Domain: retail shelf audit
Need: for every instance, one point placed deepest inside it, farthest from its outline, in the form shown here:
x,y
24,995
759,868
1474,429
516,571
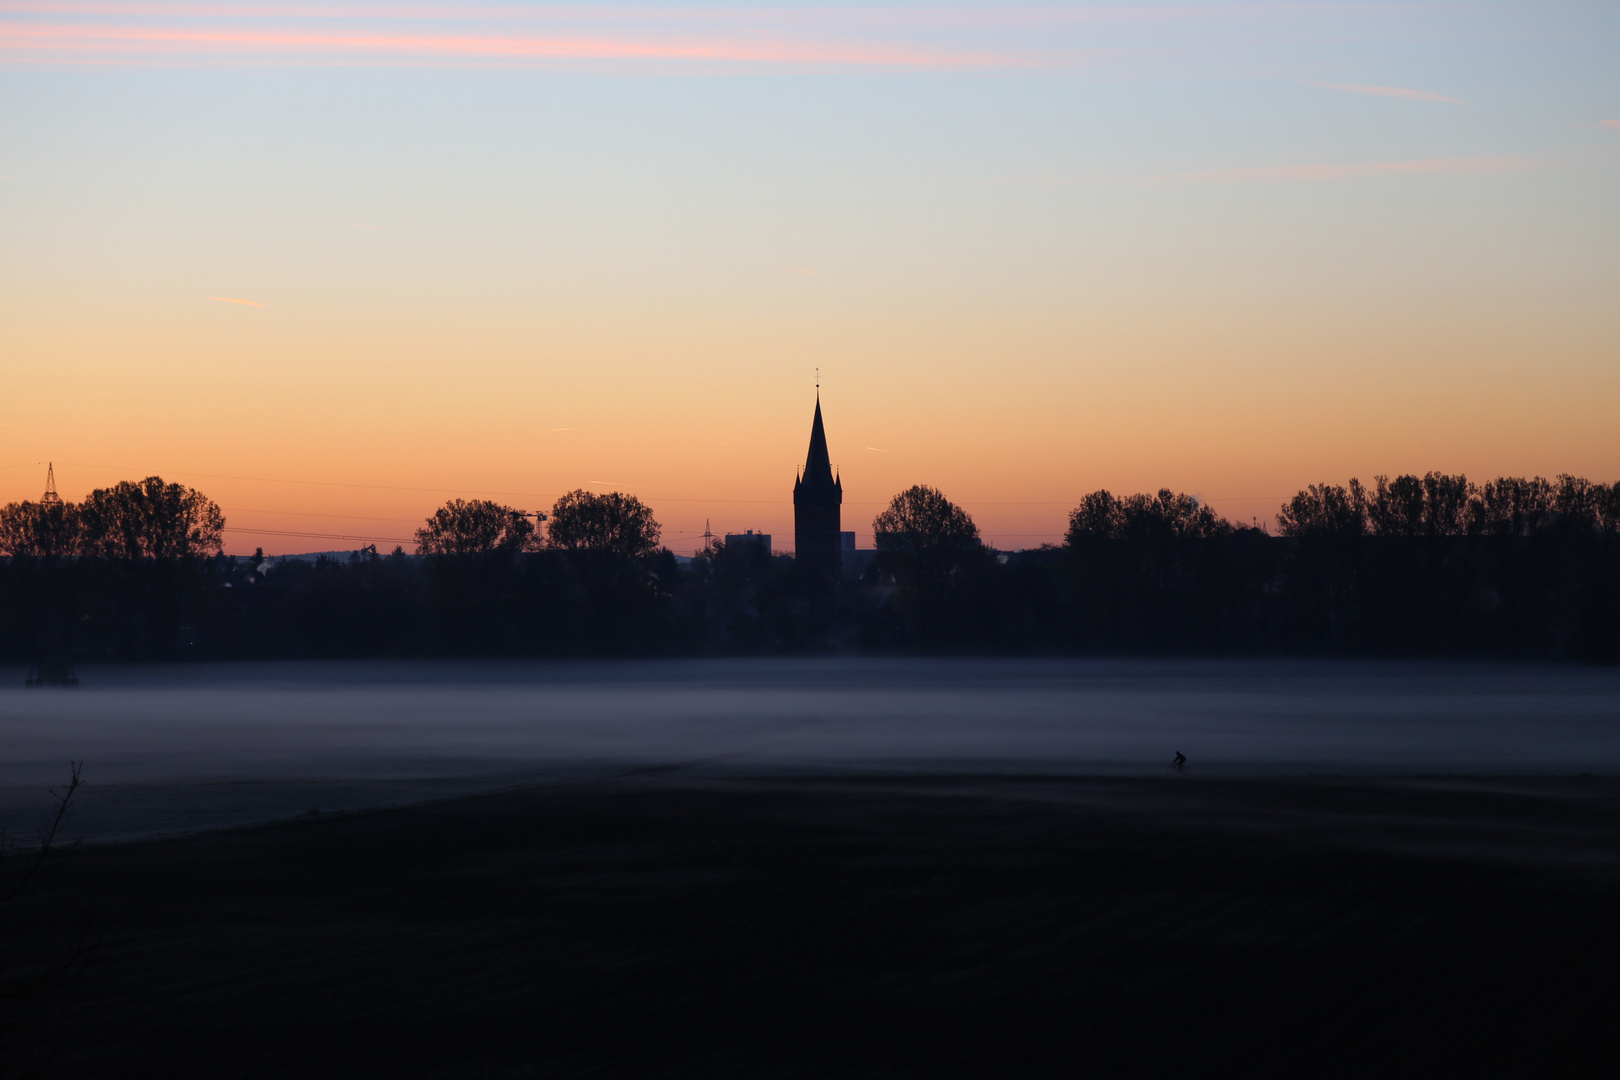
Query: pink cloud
x,y
140,41
1466,165
931,16
1389,91
1611,123
76,40
395,33
437,32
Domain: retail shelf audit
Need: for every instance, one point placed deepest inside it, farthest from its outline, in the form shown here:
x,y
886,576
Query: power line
x,y
538,495
312,483
400,487
320,536
301,513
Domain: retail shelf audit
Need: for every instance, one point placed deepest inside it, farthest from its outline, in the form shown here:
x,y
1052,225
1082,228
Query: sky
x,y
335,263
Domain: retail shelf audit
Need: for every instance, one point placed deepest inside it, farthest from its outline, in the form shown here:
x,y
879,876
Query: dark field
x,y
659,926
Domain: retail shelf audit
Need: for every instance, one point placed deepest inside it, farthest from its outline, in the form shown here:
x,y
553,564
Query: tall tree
x,y
476,599
1325,510
607,543
150,519
931,547
40,537
144,539
1510,506
39,530
1579,503
925,534
1445,503
613,524
1169,515
475,527
1141,563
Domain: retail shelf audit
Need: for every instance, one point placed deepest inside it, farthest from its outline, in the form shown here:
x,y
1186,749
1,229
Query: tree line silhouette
x,y
1430,565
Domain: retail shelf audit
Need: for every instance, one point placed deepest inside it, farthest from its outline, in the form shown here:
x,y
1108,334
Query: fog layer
x,y
169,748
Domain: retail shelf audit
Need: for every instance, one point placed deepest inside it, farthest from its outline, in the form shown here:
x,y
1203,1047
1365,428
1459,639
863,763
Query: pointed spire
x,y
817,465
50,498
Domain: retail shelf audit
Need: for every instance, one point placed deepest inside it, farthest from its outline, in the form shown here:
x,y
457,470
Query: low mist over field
x,y
229,743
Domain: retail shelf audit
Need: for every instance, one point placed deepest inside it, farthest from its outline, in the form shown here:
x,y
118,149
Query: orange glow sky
x,y
333,287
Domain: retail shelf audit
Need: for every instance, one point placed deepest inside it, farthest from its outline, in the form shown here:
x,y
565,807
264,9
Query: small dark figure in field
x,y
1180,763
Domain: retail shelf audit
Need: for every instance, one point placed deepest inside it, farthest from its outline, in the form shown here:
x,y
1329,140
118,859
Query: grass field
x,y
665,926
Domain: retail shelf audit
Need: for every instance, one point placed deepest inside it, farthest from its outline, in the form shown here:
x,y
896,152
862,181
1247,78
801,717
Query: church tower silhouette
x,y
817,496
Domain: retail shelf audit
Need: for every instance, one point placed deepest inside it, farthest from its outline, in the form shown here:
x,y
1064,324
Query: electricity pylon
x,y
50,498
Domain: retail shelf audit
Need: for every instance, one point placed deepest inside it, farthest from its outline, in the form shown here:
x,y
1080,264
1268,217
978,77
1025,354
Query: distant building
x,y
817,496
853,561
751,538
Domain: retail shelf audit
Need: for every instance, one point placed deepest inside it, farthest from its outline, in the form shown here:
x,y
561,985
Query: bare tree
x,y
33,966
47,835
